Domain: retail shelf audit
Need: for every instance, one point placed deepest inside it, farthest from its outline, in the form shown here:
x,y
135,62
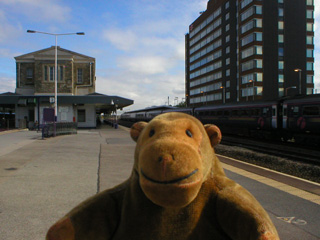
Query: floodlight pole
x,y
55,71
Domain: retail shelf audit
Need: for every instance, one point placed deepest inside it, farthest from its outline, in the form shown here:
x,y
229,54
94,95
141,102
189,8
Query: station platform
x,y
41,180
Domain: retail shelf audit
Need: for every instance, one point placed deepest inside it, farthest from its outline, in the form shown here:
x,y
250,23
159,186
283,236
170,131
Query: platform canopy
x,y
103,103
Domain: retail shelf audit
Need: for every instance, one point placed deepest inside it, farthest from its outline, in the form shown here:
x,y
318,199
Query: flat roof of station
x,y
103,103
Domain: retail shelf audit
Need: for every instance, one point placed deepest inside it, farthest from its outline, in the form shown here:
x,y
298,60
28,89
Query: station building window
x,y
29,73
81,115
80,75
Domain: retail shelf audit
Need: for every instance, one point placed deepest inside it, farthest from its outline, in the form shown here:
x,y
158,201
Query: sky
x,y
139,45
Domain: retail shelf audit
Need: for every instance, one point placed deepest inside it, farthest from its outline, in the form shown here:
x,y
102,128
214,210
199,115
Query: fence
x,y
62,128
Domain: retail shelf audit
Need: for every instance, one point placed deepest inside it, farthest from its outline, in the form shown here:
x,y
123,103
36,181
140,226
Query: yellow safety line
x,y
270,182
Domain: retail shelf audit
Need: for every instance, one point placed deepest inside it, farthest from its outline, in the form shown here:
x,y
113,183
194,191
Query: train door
x,y
274,116
285,116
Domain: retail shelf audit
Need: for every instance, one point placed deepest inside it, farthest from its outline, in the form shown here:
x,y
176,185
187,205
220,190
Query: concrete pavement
x,y
42,180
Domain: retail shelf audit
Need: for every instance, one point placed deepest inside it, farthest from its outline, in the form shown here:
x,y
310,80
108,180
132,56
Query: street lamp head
x,y
297,70
80,33
31,31
250,80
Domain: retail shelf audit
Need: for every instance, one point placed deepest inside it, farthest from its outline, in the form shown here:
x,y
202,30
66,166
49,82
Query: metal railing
x,y
62,128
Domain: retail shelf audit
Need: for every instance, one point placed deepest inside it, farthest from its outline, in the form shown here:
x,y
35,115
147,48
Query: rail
x,y
62,128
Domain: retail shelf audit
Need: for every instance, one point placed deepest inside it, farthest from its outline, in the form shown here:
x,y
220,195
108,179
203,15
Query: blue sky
x,y
138,44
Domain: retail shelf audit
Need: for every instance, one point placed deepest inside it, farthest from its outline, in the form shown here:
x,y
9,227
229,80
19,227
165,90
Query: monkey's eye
x,y
151,133
189,134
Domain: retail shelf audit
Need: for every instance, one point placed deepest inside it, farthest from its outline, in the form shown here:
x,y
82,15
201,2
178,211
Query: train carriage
x,y
301,118
241,119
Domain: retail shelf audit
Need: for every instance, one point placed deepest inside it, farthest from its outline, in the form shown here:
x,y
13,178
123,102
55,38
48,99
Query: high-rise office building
x,y
247,50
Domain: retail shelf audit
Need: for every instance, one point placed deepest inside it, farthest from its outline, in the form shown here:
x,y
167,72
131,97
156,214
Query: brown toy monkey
x,y
177,191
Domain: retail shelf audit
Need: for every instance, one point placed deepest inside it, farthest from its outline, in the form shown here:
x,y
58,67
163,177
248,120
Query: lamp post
x,y
252,89
204,94
300,84
55,71
289,88
223,94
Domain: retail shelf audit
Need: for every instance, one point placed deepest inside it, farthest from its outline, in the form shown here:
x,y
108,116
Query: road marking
x,y
293,220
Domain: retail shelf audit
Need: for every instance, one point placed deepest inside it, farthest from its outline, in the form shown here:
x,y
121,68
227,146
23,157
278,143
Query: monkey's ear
x,y
136,130
214,134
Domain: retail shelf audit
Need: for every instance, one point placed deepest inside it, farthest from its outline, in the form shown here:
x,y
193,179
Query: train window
x,y
295,111
219,113
213,113
256,112
226,113
285,111
310,111
234,112
265,111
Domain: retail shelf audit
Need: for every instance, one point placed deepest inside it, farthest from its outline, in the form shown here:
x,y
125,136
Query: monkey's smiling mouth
x,y
171,181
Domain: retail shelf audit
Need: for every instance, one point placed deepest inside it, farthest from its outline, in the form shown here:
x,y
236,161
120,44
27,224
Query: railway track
x,y
279,149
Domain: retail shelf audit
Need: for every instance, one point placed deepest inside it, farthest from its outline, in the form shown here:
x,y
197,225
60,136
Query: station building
x,y
248,50
77,99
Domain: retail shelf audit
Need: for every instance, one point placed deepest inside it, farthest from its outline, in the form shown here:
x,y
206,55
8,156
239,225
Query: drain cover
x,y
11,169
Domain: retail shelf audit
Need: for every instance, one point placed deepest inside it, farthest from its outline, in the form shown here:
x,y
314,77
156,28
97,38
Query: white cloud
x,y
122,39
40,10
8,31
7,84
148,65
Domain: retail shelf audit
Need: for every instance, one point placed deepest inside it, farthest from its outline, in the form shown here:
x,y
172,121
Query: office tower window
x,y
310,53
309,66
310,27
281,65
310,2
309,40
227,50
280,51
280,38
281,78
281,92
280,12
309,78
310,14
227,27
280,25
244,3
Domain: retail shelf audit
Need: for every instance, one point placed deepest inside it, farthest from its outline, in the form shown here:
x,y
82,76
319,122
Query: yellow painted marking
x,y
270,182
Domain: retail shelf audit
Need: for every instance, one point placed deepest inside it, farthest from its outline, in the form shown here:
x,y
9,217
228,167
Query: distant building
x,y
248,50
35,84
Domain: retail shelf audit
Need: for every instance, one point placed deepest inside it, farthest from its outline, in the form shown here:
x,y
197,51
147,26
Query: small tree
x,y
182,105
